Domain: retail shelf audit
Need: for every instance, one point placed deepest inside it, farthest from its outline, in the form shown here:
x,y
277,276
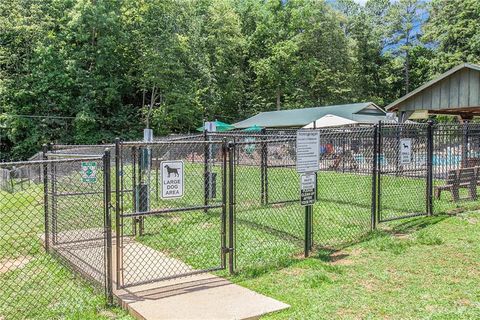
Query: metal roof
x,y
330,120
365,112
446,91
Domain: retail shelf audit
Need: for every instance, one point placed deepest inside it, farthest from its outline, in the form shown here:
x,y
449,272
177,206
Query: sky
x,y
362,2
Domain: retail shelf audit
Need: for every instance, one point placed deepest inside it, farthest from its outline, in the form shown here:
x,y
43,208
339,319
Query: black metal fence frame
x,y
55,180
435,140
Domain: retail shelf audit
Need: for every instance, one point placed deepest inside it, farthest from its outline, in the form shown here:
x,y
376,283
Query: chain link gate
x,y
54,219
163,234
404,171
78,202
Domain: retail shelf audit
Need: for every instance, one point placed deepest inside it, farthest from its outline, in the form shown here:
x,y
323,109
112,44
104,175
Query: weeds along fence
x,y
226,202
53,238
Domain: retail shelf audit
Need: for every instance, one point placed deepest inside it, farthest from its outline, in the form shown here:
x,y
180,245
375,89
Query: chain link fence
x,y
207,202
402,185
266,233
455,167
343,211
53,243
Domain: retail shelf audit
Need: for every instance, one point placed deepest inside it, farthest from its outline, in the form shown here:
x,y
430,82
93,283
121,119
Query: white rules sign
x,y
172,179
308,147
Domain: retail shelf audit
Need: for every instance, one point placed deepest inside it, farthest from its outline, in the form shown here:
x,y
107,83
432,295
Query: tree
x,y
404,21
273,51
222,45
453,29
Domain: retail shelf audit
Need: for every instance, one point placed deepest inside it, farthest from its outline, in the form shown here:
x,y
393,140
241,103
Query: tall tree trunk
x,y
279,94
152,103
94,36
407,73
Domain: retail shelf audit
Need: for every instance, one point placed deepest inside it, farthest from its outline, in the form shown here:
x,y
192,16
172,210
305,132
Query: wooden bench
x,y
466,178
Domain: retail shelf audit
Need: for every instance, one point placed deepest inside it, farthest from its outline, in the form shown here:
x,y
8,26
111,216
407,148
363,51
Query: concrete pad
x,y
142,263
202,296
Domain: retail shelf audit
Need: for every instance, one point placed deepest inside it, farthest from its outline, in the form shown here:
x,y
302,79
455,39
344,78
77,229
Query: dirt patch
x,y
299,256
369,285
401,235
464,302
344,258
13,264
347,313
341,259
431,308
294,271
174,219
107,314
208,225
472,220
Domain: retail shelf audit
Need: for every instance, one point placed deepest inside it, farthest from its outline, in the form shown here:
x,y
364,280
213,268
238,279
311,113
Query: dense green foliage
x,y
90,70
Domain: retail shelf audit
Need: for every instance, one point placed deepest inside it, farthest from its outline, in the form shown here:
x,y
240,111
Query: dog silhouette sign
x,y
172,179
405,151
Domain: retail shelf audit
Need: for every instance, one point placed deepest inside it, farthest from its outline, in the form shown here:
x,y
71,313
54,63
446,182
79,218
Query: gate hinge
x,y
227,250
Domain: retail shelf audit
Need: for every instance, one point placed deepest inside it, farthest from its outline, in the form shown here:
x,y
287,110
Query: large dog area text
x,y
172,179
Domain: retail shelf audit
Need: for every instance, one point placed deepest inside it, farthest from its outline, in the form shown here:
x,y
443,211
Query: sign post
x,y
308,162
308,186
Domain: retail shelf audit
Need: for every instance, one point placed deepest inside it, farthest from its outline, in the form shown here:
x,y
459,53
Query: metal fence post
x,y
374,177
311,223
224,203
118,222
53,185
231,207
45,196
430,168
263,169
464,143
134,189
107,192
308,230
343,150
265,173
206,172
379,172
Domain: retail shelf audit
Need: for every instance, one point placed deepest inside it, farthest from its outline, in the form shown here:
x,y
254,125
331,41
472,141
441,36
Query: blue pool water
x,y
446,160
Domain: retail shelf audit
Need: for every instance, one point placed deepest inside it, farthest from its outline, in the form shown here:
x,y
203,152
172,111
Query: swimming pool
x,y
444,160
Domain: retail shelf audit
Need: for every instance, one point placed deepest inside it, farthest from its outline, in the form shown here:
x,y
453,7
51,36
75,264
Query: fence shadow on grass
x,y
255,271
415,224
271,230
331,255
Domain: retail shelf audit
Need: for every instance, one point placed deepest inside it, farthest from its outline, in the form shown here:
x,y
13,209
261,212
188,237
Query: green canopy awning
x,y
221,126
253,128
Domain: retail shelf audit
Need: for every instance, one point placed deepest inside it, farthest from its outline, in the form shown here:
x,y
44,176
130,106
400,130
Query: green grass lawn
x,y
269,241
34,284
423,268
269,235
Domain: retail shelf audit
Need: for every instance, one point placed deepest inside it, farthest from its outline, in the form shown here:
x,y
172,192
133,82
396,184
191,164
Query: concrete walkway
x,y
203,296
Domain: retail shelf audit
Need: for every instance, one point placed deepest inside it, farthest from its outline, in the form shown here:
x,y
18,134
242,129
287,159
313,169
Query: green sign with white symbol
x,y
89,172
